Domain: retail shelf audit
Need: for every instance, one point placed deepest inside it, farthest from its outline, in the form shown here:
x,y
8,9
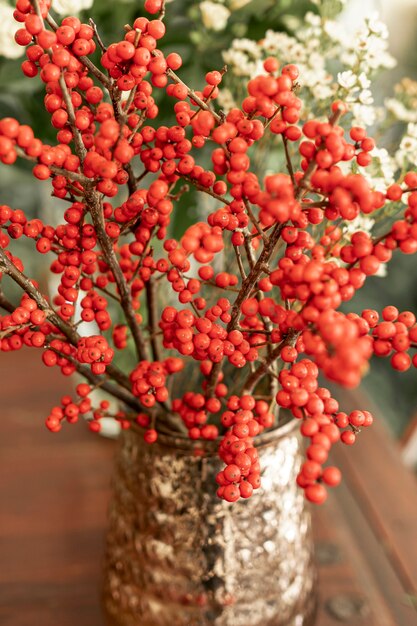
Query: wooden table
x,y
54,491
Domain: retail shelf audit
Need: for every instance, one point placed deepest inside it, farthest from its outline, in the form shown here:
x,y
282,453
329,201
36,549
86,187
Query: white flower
x,y
365,96
408,144
412,130
361,222
71,7
347,79
363,115
312,18
387,169
376,26
247,45
407,151
321,92
8,26
214,15
364,81
225,100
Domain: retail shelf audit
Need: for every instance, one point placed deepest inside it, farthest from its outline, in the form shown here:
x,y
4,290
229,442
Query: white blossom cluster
x,y
317,46
407,151
215,15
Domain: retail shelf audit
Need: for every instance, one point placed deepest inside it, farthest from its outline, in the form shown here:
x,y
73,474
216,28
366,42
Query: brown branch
x,y
78,141
68,331
204,189
152,302
260,372
94,203
120,117
247,285
288,159
50,20
271,119
95,71
75,176
303,184
80,147
117,392
5,303
161,13
239,262
97,35
192,94
253,219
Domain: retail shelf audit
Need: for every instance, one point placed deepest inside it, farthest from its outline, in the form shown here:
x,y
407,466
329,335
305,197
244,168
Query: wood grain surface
x,y
54,491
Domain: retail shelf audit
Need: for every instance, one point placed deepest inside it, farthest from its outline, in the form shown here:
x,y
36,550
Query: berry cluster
x,y
394,336
149,380
244,419
260,278
321,423
95,351
71,409
195,410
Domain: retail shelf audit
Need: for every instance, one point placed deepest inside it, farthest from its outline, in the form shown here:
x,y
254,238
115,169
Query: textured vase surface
x,y
176,555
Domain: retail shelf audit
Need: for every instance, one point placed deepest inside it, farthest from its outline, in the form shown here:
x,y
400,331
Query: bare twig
x,y
5,303
94,203
260,372
288,159
239,262
68,331
97,35
151,299
253,219
115,390
193,96
247,286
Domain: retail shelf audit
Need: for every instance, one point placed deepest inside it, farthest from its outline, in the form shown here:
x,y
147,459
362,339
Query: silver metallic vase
x,y
178,556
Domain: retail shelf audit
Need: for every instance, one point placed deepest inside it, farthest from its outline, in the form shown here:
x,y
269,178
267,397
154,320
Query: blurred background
x,y
328,39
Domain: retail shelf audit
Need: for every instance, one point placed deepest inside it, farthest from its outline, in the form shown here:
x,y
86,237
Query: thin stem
x,y
114,390
104,80
204,189
94,202
152,302
161,13
5,303
68,331
80,147
239,262
288,159
97,35
254,220
75,176
120,117
192,94
260,372
246,288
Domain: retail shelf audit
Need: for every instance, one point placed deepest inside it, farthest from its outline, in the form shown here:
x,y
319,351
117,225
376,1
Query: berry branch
x,y
96,211
271,310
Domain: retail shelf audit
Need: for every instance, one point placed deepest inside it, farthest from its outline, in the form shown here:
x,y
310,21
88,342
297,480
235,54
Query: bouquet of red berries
x,y
251,292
